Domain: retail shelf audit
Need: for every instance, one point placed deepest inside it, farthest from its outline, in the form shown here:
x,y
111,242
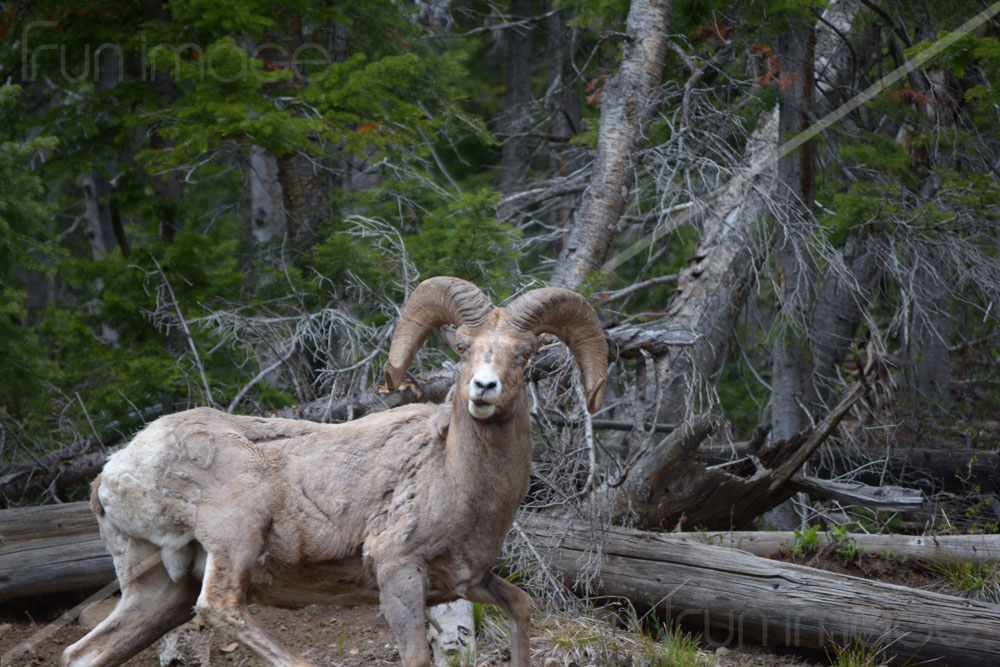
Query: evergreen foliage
x,y
379,117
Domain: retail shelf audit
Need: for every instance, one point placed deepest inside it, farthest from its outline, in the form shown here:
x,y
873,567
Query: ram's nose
x,y
485,385
484,393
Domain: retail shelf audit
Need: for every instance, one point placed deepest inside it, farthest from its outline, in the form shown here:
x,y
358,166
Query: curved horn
x,y
568,315
435,302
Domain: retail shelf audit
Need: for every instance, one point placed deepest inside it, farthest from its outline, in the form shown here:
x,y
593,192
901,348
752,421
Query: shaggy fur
x,y
402,508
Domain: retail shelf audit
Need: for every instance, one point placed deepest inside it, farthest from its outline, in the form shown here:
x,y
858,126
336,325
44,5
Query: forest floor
x,y
359,636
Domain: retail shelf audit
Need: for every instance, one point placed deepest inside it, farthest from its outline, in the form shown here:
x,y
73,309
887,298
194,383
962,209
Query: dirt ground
x,y
359,636
322,635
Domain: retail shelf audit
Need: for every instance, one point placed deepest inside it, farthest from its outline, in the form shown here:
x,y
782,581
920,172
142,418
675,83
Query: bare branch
x,y
187,332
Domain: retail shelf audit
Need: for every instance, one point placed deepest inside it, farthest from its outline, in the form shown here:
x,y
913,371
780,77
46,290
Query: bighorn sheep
x,y
404,507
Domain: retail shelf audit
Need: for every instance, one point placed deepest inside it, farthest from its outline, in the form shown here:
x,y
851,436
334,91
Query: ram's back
x,y
313,492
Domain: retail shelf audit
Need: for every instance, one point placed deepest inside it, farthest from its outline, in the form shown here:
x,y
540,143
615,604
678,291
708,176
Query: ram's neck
x,y
491,456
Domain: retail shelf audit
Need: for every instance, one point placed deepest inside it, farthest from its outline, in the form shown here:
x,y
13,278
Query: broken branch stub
x,y
668,484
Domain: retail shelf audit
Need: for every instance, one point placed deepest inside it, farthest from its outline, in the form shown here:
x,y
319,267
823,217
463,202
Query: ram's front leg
x,y
403,599
516,604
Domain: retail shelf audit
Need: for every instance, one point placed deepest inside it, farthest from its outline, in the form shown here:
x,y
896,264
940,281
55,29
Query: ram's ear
x,y
450,334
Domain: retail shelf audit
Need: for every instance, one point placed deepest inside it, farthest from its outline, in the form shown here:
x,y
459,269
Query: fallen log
x,y
949,467
54,564
22,524
731,596
51,549
888,498
928,548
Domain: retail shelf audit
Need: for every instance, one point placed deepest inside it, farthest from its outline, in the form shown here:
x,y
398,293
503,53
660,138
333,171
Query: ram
x,y
206,511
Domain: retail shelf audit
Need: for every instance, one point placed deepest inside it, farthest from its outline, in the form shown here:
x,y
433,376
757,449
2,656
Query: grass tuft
x,y
970,579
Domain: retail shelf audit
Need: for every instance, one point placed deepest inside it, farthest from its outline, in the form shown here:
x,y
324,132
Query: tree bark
x,y
928,548
730,596
97,210
928,359
55,564
887,498
304,186
167,187
627,106
104,228
267,210
24,524
713,287
790,382
515,152
564,110
837,312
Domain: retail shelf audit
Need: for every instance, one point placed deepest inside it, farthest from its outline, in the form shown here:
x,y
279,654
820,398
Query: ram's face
x,y
493,360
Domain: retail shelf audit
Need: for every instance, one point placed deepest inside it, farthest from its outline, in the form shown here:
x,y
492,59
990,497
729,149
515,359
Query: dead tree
x,y
627,105
730,596
668,485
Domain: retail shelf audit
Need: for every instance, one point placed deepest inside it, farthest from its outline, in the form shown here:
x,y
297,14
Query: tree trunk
x,y
837,314
627,106
303,185
713,287
99,210
168,187
928,359
790,388
267,210
24,524
730,596
515,121
563,108
928,548
55,564
169,190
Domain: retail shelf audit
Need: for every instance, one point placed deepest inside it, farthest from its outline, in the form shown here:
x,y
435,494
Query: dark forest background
x,y
225,203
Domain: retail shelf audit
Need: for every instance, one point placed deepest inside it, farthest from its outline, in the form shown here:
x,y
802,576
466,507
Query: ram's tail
x,y
95,502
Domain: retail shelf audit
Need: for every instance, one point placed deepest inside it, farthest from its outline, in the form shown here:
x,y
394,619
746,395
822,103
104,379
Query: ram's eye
x,y
461,347
527,355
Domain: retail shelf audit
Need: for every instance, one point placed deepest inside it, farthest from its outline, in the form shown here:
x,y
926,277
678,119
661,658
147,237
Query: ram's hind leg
x,y
222,603
151,605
